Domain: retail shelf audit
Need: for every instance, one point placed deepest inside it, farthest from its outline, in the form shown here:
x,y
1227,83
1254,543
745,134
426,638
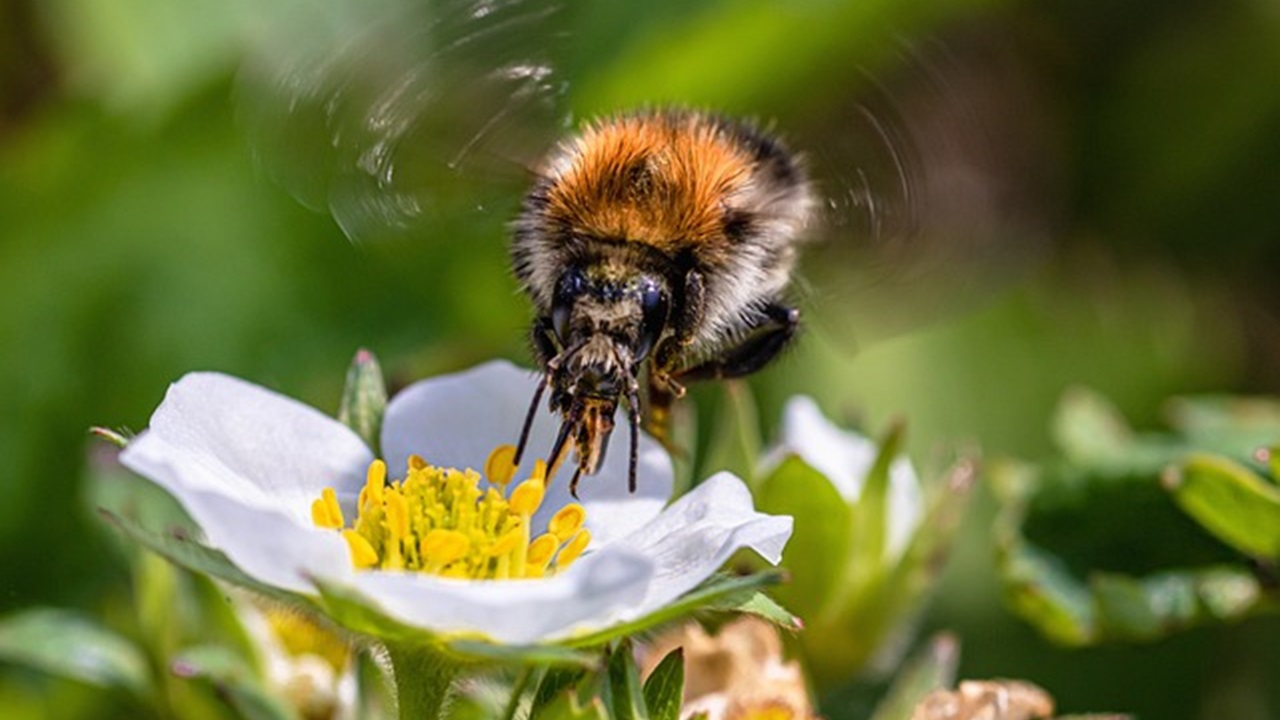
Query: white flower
x,y
845,458
306,665
247,463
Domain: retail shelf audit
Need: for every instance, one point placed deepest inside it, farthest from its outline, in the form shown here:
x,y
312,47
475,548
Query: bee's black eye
x,y
568,288
655,306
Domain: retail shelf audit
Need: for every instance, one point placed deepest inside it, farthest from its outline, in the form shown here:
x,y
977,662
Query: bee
x,y
659,240
657,246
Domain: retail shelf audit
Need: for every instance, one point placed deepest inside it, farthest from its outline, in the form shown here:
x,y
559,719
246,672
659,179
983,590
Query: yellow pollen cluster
x,y
439,521
299,635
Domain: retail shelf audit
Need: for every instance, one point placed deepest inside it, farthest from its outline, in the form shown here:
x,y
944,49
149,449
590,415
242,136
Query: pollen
x,y
446,522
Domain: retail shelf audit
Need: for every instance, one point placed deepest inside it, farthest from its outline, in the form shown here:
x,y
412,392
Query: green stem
x,y
522,682
424,677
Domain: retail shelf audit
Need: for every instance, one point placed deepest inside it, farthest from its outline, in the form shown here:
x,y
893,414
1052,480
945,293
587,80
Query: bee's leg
x,y
775,329
667,356
545,343
669,353
545,348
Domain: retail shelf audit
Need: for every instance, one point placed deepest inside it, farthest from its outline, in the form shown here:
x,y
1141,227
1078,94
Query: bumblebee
x,y
656,244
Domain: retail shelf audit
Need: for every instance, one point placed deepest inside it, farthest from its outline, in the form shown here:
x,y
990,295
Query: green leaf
x,y
568,707
121,493
233,680
1152,606
762,606
626,697
1097,605
735,443
664,690
1124,610
555,683
1230,501
1041,590
932,668
818,552
159,599
535,655
1234,426
871,511
63,643
364,399
1088,428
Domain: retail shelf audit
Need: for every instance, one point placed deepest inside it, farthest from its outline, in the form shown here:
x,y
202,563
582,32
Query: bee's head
x,y
586,385
615,300
606,319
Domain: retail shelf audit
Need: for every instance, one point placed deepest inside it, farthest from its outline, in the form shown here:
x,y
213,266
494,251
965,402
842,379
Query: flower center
x,y
299,636
439,521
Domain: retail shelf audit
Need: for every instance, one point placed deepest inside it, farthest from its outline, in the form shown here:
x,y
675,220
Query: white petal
x,y
217,433
266,543
846,458
693,537
457,420
246,463
584,597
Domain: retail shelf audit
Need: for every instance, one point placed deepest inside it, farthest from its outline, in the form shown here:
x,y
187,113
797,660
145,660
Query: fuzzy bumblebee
x,y
658,240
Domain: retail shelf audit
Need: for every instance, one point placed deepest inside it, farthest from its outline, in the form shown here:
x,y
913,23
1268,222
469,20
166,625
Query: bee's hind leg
x,y
763,341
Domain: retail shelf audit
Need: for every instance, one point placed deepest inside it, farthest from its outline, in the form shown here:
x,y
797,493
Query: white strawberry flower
x,y
274,485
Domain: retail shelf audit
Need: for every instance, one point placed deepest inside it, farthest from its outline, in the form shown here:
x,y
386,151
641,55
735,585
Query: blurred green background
x,y
139,241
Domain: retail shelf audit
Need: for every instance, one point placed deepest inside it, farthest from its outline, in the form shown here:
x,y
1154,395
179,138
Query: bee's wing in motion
x,y
389,113
936,190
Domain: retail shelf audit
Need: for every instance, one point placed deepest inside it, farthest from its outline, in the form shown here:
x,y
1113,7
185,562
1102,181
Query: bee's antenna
x,y
633,401
528,418
573,484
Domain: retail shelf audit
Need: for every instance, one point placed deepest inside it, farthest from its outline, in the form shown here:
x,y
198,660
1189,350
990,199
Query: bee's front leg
x,y
543,338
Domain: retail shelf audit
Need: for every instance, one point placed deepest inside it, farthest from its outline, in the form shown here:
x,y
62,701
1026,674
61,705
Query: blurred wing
x,y
934,196
384,113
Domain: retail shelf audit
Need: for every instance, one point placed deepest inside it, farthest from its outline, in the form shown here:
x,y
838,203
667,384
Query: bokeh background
x,y
139,240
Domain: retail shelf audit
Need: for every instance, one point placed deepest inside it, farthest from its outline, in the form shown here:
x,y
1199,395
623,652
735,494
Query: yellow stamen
x,y
397,509
446,522
506,543
527,497
362,553
325,512
445,546
299,635
541,549
500,468
567,521
374,481
573,549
